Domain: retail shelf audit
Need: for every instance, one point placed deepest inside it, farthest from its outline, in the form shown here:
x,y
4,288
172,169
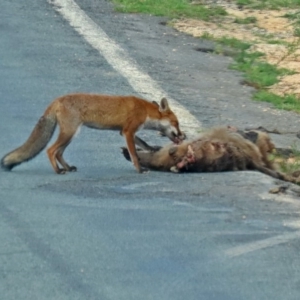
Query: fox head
x,y
169,125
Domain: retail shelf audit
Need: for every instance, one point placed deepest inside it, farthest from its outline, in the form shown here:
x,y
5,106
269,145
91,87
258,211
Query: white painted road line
x,y
121,61
270,242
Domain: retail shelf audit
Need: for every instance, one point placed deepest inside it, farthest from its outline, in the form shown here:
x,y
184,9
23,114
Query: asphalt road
x,y
107,232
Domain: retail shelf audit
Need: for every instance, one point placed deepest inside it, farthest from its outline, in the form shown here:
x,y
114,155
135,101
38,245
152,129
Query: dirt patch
x,y
270,33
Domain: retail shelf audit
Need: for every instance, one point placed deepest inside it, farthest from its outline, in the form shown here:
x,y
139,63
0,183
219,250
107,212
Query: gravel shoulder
x,y
271,33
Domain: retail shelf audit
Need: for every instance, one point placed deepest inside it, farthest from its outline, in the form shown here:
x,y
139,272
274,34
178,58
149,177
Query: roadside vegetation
x,y
169,8
269,4
287,160
257,71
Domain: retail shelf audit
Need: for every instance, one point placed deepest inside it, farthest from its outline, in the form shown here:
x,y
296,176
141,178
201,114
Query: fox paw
x,y
61,171
72,169
144,170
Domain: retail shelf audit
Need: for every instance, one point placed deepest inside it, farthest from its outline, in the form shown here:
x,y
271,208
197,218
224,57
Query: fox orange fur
x,y
124,113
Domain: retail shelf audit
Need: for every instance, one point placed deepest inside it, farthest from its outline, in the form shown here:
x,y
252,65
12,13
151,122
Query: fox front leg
x,y
130,140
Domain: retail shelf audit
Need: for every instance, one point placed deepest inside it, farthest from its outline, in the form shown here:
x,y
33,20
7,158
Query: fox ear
x,y
154,102
164,105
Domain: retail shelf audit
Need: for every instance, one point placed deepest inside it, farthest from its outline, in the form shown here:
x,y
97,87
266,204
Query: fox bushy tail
x,y
36,142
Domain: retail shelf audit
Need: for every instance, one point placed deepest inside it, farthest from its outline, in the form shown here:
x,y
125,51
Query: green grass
x,y
288,102
287,163
269,4
297,32
243,2
261,75
257,73
293,16
233,43
245,21
168,8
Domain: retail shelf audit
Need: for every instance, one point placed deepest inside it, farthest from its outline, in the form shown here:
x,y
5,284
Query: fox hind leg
x,y
60,159
55,153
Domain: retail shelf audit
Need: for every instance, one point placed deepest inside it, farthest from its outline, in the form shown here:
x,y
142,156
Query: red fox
x,y
125,113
